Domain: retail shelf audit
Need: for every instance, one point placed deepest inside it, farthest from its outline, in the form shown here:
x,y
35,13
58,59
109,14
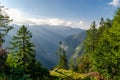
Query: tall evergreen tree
x,y
85,61
4,25
103,26
101,21
3,56
63,63
107,55
21,59
22,45
91,39
4,29
22,54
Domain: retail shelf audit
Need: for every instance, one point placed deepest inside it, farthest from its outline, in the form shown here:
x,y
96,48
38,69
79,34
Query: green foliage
x,y
4,25
3,55
62,74
73,65
21,60
91,39
63,63
4,77
104,26
107,54
101,49
4,29
101,54
21,44
85,63
67,74
22,52
74,59
38,72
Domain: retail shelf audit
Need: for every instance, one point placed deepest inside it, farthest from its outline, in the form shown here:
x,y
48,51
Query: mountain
x,y
73,41
46,38
78,50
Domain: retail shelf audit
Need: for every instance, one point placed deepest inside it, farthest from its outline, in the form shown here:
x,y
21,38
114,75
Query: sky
x,y
73,13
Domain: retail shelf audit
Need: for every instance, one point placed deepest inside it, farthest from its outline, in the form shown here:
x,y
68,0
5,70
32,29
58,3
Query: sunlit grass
x,y
67,74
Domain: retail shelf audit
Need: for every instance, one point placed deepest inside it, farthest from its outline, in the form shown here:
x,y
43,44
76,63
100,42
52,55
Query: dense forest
x,y
100,59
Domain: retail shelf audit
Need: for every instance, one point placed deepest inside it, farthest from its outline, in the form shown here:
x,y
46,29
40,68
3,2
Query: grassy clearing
x,y
67,74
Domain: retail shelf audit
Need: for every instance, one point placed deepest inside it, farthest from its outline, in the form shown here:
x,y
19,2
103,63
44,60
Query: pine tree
x,y
103,26
22,45
101,21
3,56
4,29
107,55
22,54
91,39
4,25
63,63
21,60
85,61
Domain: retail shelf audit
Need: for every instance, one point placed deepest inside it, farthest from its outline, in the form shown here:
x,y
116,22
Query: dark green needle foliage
x,y
4,24
108,52
4,29
91,39
21,59
63,63
22,45
85,61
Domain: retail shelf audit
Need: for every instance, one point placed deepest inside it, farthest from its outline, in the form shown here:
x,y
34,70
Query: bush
x,y
85,63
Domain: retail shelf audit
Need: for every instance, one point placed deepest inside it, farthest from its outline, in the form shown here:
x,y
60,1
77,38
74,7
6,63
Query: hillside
x,y
71,75
60,40
73,42
46,39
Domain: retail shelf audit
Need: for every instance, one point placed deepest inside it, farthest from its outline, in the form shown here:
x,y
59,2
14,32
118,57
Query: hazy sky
x,y
74,13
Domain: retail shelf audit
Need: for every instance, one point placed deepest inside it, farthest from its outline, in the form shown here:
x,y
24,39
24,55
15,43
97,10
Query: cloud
x,y
19,18
115,3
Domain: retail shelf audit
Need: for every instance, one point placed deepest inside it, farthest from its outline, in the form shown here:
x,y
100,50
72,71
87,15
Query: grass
x,y
67,74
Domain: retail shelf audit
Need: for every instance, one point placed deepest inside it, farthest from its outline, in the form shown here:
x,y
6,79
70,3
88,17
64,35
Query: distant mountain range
x,y
46,38
73,42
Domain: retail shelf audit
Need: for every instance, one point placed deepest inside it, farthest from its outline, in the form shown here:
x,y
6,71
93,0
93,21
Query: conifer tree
x,y
62,57
107,55
85,61
22,53
91,39
4,25
21,59
101,21
63,61
22,45
4,29
103,26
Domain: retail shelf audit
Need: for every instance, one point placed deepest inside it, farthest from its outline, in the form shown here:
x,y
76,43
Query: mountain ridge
x,y
46,39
